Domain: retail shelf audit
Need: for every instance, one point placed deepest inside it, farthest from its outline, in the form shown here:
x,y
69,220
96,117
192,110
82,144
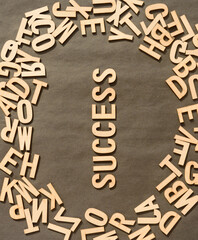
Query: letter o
x,y
20,111
97,213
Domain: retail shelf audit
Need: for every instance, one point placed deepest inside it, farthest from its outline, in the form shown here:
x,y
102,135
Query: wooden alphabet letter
x,y
43,42
99,133
151,220
121,222
105,167
186,202
187,109
41,23
147,205
38,89
188,169
33,165
95,221
191,82
17,211
167,162
9,50
25,138
175,218
30,228
185,67
82,10
175,192
156,7
182,49
175,24
106,9
6,73
8,133
118,35
60,218
107,236
62,14
183,153
37,14
67,28
11,84
133,3
7,190
8,159
164,37
150,51
59,229
99,183
180,93
115,18
37,211
141,234
22,188
34,70
25,118
92,23
53,196
23,31
89,231
191,33
103,114
107,150
130,24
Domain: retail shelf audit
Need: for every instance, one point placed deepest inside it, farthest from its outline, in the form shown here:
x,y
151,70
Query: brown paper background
x,y
146,124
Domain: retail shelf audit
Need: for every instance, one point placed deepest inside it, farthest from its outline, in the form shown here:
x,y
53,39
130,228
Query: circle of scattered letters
x,y
162,30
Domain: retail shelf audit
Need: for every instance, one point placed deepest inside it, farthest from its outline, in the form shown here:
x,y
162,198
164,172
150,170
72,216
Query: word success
x,y
104,146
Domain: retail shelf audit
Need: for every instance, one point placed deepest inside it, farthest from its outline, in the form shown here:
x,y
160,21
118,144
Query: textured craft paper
x,y
146,124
